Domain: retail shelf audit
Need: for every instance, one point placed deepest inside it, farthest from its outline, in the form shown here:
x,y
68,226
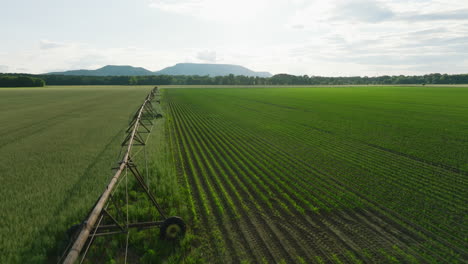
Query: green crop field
x,y
57,146
260,175
324,175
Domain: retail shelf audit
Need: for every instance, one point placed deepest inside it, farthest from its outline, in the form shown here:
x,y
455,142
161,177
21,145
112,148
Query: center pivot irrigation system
x,y
83,235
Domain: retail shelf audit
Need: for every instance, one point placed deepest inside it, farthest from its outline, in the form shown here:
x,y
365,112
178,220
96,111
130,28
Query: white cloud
x,y
215,10
362,10
461,14
388,35
46,44
181,7
297,26
71,56
314,37
207,56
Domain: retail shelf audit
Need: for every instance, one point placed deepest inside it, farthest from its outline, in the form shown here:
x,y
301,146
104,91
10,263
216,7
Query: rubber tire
x,y
173,228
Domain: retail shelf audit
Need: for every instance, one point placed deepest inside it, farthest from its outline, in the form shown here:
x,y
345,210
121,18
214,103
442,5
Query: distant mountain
x,y
178,69
109,70
210,69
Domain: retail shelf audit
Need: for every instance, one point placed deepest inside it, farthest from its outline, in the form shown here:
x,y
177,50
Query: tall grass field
x,y
57,147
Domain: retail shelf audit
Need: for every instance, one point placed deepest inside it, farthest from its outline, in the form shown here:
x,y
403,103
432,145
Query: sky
x,y
313,37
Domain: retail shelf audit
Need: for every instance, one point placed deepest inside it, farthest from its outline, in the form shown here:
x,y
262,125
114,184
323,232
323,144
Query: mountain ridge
x,y
108,70
210,69
201,69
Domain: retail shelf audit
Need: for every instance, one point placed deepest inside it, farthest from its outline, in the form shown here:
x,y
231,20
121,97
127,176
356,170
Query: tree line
x,y
16,80
20,81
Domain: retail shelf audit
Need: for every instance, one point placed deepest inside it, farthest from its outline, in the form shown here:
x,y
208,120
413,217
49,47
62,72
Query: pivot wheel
x,y
173,228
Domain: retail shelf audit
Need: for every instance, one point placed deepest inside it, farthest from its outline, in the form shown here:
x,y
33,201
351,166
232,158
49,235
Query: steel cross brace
x,y
134,170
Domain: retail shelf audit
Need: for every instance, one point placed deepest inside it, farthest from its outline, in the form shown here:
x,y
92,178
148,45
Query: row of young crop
x,y
270,194
361,188
407,120
330,141
227,206
415,178
300,116
253,199
267,178
406,179
208,205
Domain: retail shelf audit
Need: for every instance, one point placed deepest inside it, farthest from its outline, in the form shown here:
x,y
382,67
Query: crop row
x,y
423,124
328,187
413,178
259,187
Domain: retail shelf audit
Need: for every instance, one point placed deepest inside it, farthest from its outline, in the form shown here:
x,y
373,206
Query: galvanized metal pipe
x,y
80,241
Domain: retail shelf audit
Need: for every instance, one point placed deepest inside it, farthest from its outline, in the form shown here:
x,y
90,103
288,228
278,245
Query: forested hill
x,y
178,69
210,70
109,70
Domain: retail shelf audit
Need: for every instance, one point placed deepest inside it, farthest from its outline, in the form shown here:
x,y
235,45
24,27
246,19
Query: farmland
x,y
57,146
324,175
261,175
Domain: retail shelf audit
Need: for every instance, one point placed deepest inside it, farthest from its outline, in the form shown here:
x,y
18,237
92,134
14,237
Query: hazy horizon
x,y
332,38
